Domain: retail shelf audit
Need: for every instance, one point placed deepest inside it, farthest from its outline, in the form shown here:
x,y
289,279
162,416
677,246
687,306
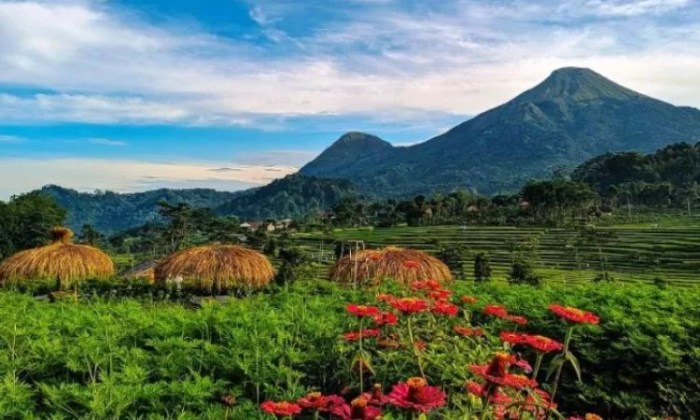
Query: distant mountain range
x,y
292,196
573,115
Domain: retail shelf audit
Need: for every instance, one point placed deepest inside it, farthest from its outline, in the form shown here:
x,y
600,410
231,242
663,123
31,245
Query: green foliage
x,y
453,256
25,222
522,272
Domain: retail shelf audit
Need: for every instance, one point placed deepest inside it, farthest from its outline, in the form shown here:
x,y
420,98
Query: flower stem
x,y
557,376
416,352
360,360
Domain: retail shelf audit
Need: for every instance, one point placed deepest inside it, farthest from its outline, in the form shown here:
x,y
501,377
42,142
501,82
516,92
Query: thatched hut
x,y
402,265
61,261
216,269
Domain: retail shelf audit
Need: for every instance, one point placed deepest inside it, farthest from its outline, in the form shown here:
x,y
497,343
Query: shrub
x,y
482,267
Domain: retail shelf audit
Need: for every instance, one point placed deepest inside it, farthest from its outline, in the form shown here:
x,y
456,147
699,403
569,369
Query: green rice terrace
x,y
628,253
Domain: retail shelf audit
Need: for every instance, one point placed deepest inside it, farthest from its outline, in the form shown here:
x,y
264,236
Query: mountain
x,y
111,212
291,196
573,115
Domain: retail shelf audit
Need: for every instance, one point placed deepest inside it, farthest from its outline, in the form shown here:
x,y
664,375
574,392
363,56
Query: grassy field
x,y
634,253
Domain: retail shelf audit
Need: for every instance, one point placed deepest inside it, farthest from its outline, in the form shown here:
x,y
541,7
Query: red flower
x,y
362,310
496,310
444,308
523,364
520,320
386,318
355,335
426,285
497,397
496,372
409,305
376,397
317,401
411,264
512,337
469,331
440,294
542,344
574,315
282,408
469,300
359,409
420,345
385,297
415,394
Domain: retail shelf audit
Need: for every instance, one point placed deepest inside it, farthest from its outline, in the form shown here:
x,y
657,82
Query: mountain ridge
x,y
573,115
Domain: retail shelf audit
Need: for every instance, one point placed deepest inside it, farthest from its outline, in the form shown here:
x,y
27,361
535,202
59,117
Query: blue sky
x,y
130,95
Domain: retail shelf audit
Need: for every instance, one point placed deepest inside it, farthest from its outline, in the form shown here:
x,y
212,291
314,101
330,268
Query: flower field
x,y
316,350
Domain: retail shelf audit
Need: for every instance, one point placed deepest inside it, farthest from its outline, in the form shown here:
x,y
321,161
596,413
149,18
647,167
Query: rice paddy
x,y
631,254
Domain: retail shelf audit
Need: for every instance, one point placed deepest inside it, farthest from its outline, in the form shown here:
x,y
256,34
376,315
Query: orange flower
x,y
542,344
385,297
411,264
281,409
468,331
512,337
356,335
520,320
444,308
416,395
362,310
409,305
470,300
574,315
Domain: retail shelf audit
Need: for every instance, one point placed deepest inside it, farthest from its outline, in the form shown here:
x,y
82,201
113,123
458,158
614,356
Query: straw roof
x,y
217,268
402,265
62,261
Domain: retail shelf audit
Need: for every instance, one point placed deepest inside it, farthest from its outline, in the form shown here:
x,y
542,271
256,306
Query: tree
x,y
482,267
292,258
179,217
453,257
89,235
27,220
521,272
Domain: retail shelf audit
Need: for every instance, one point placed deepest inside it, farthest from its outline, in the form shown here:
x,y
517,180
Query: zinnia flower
x,y
440,294
496,372
411,264
359,409
385,297
496,310
409,305
468,331
420,345
444,308
426,285
416,395
376,397
319,402
520,320
355,335
512,337
386,318
362,310
469,300
497,397
282,408
542,344
574,315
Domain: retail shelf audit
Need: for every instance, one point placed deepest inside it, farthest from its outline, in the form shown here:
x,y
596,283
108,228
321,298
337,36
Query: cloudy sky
x,y
129,95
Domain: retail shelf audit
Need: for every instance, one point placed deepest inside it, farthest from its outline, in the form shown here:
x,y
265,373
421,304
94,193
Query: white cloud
x,y
106,142
11,139
127,175
384,60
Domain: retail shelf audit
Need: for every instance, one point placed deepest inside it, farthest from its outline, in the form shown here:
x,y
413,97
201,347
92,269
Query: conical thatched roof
x,y
61,260
402,265
217,268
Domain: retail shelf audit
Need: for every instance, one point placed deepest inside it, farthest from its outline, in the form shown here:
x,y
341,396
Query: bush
x,y
482,267
521,272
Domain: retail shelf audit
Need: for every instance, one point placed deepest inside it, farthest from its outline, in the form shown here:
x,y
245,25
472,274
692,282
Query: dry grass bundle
x,y
217,268
403,265
62,261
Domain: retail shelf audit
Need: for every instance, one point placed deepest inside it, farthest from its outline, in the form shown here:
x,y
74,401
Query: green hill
x,y
570,117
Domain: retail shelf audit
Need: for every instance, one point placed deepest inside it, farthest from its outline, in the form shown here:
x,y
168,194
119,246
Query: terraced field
x,y
629,254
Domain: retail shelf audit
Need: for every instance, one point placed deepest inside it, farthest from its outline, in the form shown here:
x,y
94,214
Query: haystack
x,y
62,261
216,268
402,265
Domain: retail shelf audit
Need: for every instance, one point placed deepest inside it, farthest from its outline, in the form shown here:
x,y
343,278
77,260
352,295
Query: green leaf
x,y
556,362
574,362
